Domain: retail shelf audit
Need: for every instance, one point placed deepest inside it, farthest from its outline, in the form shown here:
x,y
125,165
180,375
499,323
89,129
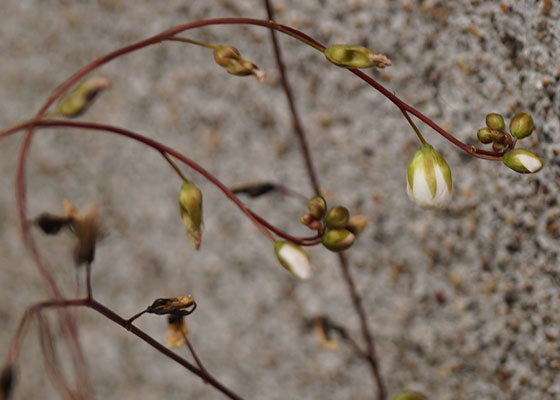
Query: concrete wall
x,y
463,303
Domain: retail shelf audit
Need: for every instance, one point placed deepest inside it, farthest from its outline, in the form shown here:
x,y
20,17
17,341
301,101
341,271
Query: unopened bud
x,y
523,161
308,220
410,395
496,146
521,125
230,59
485,135
355,57
294,259
495,121
317,207
337,217
190,209
429,181
338,239
357,224
78,100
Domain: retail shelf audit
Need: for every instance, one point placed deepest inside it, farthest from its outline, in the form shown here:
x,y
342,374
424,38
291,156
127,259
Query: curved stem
x,y
414,127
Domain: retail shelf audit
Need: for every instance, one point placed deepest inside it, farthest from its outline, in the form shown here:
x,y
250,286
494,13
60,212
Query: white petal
x,y
531,163
296,259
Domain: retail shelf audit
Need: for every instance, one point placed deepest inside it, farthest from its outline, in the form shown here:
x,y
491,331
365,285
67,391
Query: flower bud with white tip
x,y
190,209
294,259
521,125
338,239
429,182
523,161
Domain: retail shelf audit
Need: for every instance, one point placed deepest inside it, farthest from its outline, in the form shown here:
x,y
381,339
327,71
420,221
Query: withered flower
x,y
177,331
87,228
176,306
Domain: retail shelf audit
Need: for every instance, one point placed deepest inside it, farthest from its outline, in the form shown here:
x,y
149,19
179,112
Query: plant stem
x,y
420,137
93,304
371,355
296,121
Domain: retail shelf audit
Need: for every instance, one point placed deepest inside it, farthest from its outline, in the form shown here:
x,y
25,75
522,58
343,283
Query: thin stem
x,y
366,333
155,145
108,313
296,121
88,281
191,41
195,356
175,167
420,137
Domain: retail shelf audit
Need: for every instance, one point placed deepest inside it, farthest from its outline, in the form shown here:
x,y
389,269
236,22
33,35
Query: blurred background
x,y
463,303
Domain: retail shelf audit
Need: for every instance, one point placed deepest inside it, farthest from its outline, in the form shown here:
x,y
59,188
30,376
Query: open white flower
x,y
294,259
429,182
523,161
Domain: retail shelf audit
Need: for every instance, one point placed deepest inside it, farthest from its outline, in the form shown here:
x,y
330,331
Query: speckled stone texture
x,y
463,303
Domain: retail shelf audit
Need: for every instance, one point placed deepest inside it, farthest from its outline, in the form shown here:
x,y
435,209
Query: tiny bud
x,y
429,182
308,220
523,161
338,239
357,224
495,121
337,217
190,209
294,259
485,135
521,125
355,57
7,381
230,59
410,395
78,100
317,207
496,146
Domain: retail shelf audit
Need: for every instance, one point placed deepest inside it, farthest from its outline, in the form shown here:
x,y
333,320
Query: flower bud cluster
x,y
520,127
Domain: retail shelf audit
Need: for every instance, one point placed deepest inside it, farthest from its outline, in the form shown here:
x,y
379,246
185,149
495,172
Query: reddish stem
x,y
108,313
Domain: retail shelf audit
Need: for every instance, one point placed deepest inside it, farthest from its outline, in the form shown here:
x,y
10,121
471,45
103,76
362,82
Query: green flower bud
x,y
429,182
521,125
355,57
190,209
337,217
338,239
78,100
294,259
410,395
485,135
495,121
523,161
317,207
230,59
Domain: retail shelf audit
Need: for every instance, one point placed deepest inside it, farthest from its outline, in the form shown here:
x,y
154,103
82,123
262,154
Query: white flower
x,y
429,182
523,161
294,259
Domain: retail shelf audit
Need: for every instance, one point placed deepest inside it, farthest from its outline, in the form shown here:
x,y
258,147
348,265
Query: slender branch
x,y
296,121
366,333
93,304
414,127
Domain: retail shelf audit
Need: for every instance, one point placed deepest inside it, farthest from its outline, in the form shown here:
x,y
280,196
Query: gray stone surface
x,y
463,303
